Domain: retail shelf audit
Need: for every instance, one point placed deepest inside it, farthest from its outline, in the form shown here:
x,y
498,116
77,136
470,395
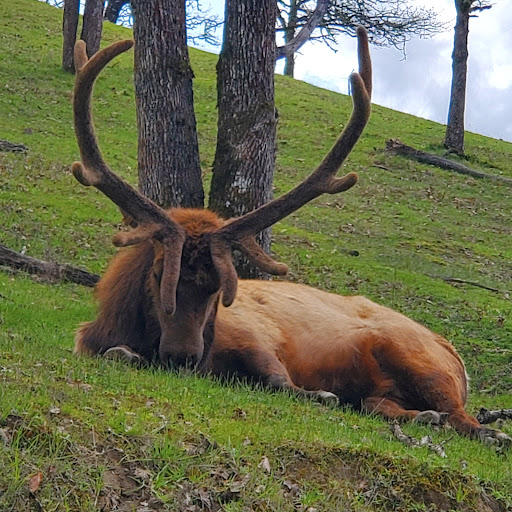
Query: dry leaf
x,y
265,464
35,481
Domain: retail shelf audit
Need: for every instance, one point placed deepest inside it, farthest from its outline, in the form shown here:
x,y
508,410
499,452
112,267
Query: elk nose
x,y
179,360
185,361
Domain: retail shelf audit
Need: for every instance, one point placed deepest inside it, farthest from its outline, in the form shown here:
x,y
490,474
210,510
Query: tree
x,y
91,29
113,9
454,137
201,25
169,169
243,168
69,28
389,23
92,25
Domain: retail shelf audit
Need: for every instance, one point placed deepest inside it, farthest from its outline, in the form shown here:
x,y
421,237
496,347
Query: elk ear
x,y
222,260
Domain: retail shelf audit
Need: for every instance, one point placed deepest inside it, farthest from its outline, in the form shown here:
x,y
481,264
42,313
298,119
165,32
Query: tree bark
x,y
244,162
169,168
69,28
92,26
113,9
454,137
51,271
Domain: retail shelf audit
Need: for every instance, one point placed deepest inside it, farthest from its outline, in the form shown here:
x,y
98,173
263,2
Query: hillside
x,y
103,436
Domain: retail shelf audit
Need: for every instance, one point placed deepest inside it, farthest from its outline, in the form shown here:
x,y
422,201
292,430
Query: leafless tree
x,y
389,23
454,137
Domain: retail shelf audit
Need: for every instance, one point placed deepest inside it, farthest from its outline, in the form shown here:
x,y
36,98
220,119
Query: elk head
x,y
192,264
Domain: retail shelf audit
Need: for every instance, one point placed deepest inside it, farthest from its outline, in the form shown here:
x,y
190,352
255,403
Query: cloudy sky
x,y
420,84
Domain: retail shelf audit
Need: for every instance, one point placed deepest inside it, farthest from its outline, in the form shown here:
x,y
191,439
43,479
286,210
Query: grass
x,y
107,437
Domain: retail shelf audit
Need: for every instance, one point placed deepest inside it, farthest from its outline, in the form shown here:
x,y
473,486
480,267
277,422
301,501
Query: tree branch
x,y
395,429
54,272
305,31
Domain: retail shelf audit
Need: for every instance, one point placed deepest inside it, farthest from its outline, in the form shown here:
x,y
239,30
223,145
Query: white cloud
x,y
420,85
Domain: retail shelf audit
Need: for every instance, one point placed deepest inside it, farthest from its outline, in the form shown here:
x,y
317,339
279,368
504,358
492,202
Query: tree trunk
x,y
289,34
113,9
454,138
69,28
92,25
169,169
244,162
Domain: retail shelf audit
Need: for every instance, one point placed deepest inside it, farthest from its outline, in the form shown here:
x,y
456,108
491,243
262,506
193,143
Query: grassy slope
x,y
103,435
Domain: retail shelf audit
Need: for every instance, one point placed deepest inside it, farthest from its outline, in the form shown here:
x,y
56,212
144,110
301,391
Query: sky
x,y
420,83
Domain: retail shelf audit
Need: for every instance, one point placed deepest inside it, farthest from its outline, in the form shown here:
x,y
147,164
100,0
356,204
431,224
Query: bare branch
x,y
305,32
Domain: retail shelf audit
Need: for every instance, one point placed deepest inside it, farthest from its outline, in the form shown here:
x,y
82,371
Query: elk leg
x,y
388,409
466,424
459,419
274,375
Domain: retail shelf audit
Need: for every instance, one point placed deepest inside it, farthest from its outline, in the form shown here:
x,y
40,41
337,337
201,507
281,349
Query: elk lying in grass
x,y
174,297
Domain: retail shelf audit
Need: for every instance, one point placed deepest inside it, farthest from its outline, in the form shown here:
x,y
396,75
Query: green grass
x,y
108,437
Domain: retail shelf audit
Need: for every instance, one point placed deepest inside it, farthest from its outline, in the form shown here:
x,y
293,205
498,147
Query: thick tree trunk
x,y
454,138
92,25
69,28
113,9
245,156
169,169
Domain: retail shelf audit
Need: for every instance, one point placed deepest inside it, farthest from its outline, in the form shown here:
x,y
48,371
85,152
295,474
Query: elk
x,y
172,295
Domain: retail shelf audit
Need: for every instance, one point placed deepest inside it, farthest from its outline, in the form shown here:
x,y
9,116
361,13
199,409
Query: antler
x,y
321,180
152,221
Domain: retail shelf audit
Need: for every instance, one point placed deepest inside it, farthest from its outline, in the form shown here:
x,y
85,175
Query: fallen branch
x,y
448,279
54,272
485,416
395,146
396,430
11,147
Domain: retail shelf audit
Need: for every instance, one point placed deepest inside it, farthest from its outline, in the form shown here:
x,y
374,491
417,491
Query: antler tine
x,y
93,171
323,178
152,221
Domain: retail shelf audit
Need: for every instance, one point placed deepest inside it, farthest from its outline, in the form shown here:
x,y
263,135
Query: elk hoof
x,y
327,398
431,418
495,437
124,354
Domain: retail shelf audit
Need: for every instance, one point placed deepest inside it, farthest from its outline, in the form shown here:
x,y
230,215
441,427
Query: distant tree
x,y
389,23
91,29
69,28
201,25
92,25
243,168
113,9
454,137
169,169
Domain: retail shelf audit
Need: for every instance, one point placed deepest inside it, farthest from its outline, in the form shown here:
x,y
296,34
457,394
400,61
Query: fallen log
x,y
485,416
54,272
395,146
11,147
